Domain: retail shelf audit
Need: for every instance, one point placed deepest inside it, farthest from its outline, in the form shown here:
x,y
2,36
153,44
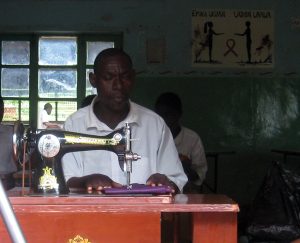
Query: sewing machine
x,y
214,216
51,145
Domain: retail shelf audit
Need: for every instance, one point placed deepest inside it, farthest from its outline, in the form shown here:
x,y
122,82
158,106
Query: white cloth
x,y
188,143
7,163
154,143
44,117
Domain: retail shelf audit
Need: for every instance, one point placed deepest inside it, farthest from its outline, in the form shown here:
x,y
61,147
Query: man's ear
x,y
92,78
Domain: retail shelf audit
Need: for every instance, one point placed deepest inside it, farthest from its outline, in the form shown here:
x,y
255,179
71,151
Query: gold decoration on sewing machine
x,y
73,139
48,181
78,239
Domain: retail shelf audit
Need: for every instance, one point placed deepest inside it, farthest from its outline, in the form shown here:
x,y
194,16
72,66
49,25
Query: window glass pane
x,y
93,48
57,51
15,53
24,110
15,82
65,108
57,83
89,88
11,110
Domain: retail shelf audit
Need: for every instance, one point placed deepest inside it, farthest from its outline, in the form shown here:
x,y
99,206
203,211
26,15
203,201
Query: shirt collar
x,y
93,122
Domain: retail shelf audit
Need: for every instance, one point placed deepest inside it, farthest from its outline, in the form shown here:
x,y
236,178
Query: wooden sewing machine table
x,y
96,218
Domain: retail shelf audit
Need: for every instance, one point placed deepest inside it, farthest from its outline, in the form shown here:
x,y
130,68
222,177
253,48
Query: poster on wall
x,y
232,38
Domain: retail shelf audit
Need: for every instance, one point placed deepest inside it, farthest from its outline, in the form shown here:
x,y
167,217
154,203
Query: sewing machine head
x,y
51,145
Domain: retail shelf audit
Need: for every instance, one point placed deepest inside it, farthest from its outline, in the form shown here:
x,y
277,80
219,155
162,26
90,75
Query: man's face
x,y
49,110
114,81
170,115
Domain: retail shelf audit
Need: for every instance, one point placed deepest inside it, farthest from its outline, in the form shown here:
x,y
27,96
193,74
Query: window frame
x,y
81,67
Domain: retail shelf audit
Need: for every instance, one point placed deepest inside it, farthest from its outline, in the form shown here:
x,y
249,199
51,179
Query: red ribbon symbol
x,y
230,43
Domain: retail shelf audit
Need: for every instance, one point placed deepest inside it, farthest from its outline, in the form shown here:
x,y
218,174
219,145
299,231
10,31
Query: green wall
x,y
250,116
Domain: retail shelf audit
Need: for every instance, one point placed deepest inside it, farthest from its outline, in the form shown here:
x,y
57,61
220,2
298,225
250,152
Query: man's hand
x,y
185,160
160,180
52,125
98,182
187,167
94,182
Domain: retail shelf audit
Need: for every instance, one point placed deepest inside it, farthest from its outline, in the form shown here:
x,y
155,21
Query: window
x,y
15,60
40,69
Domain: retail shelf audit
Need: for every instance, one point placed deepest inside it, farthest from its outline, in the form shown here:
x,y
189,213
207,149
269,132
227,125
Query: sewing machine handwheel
x,y
18,141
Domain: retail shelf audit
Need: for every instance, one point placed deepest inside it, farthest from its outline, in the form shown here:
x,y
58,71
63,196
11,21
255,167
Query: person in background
x,y
44,120
114,78
7,163
188,143
191,153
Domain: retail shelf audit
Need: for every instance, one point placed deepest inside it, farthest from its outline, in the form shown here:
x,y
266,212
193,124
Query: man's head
x,y
168,106
113,78
1,108
48,108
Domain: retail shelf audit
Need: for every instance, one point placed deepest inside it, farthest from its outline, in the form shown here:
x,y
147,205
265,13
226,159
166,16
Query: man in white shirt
x,y
44,119
113,78
188,143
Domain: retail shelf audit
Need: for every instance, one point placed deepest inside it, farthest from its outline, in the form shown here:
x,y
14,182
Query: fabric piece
x,y
139,189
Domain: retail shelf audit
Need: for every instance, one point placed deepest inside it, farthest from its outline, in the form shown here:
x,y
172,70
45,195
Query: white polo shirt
x,y
154,143
44,117
189,143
